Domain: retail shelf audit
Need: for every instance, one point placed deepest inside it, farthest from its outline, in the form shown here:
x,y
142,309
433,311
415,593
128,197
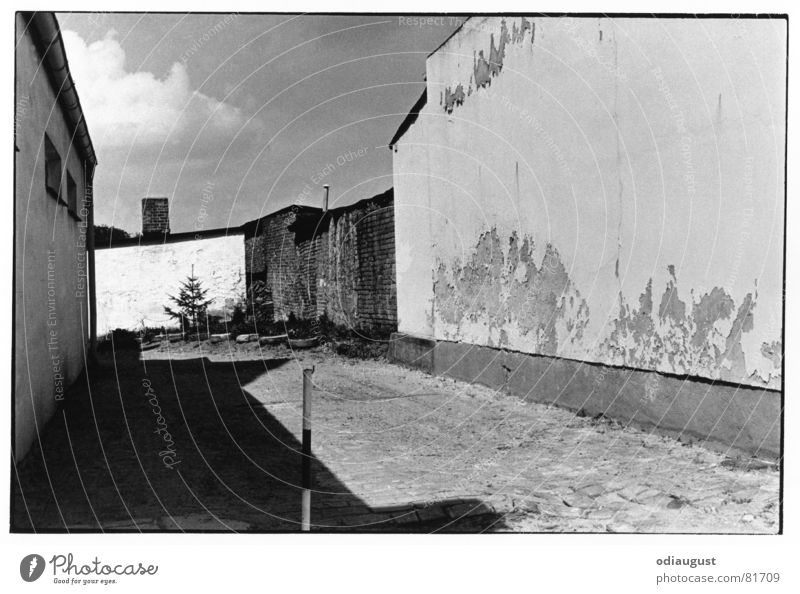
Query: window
x,y
52,169
72,196
257,276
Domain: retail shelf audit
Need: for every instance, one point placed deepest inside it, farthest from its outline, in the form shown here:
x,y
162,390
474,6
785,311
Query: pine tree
x,y
191,303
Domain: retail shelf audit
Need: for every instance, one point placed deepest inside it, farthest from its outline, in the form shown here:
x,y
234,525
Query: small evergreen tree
x,y
190,304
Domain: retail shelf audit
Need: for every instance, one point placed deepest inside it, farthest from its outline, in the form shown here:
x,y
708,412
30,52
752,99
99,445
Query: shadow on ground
x,y
215,460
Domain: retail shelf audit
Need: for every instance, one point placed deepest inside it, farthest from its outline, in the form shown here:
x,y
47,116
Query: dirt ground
x,y
395,450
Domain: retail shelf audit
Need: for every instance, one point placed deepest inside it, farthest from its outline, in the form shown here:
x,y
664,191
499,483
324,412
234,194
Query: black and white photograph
x,y
371,275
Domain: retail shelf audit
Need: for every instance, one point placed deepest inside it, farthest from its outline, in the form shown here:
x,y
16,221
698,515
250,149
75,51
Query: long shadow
x,y
180,445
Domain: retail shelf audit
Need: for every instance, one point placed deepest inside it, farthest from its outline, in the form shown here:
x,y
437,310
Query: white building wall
x,y
614,193
133,282
50,296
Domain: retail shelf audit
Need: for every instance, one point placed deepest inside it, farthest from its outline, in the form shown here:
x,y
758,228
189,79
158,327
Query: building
x,y
334,262
603,206
135,276
53,258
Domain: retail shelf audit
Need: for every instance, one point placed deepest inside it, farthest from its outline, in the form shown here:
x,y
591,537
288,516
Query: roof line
x,y
167,238
449,37
410,118
46,35
250,226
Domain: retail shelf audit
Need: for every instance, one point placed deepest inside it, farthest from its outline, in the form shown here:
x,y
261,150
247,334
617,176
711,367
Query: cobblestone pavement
x,y
395,450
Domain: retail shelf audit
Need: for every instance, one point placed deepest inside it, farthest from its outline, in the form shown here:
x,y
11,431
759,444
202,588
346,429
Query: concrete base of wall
x,y
734,419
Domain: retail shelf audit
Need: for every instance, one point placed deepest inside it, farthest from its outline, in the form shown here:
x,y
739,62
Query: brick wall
x,y
155,215
376,288
274,255
340,263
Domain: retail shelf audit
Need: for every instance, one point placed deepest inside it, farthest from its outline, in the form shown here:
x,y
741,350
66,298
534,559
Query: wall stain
x,y
500,291
484,68
713,306
453,97
733,344
703,338
671,308
507,289
518,33
773,352
633,336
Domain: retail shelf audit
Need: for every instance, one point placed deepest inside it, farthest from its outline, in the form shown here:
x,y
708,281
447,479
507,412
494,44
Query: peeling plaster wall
x,y
133,282
606,190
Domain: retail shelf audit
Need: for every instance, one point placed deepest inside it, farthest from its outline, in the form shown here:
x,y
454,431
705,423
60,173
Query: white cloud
x,y
124,107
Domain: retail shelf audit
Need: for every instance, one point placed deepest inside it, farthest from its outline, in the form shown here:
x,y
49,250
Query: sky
x,y
235,116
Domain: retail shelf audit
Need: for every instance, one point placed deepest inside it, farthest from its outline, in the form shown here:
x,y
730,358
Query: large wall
x,y
340,264
51,317
133,281
272,254
602,190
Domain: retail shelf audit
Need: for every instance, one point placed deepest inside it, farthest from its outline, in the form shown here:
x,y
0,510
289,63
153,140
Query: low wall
x,y
133,282
728,417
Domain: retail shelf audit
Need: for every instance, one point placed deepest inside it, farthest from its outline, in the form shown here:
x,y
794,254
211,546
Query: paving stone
x,y
600,515
611,499
578,500
615,506
631,491
657,500
468,509
131,525
593,491
676,502
326,501
527,506
648,494
432,512
203,522
367,521
406,518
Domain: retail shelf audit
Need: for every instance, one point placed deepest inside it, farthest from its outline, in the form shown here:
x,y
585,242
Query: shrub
x,y
118,339
299,328
258,305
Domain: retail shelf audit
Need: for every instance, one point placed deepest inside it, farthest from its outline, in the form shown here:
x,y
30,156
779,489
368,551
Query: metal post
x,y
307,388
325,198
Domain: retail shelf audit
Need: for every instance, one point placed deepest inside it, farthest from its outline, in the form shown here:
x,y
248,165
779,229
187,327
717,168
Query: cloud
x,y
137,107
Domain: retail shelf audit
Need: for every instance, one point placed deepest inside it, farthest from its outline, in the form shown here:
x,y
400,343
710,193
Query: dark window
x,y
52,169
72,195
257,276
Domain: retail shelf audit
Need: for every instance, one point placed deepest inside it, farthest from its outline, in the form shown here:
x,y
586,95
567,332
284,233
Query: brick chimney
x,y
155,216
